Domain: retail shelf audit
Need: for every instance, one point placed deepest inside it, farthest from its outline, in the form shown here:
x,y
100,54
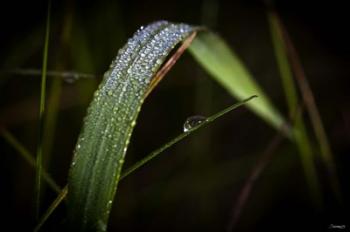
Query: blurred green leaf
x,y
39,152
223,64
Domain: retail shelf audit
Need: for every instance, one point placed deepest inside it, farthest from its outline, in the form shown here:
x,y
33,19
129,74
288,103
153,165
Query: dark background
x,y
193,186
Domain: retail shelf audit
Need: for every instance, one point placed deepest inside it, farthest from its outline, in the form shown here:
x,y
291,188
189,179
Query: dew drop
x,y
70,78
154,68
193,121
102,226
159,61
96,93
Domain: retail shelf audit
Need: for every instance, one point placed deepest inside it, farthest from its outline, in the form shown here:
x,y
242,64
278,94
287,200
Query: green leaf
x,y
218,59
103,142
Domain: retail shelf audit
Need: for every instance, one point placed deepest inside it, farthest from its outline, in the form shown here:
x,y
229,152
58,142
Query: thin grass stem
x,y
39,153
25,154
145,160
316,121
180,137
300,135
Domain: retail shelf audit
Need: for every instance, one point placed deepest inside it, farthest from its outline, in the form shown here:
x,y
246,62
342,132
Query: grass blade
x,y
101,147
252,178
182,136
218,59
147,159
25,154
283,65
61,196
300,135
316,121
39,154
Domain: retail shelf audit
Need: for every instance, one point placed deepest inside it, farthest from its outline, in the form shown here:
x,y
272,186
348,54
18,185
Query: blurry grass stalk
x,y
287,60
39,154
201,145
299,133
51,120
25,154
316,121
67,76
253,177
203,100
55,91
82,58
62,195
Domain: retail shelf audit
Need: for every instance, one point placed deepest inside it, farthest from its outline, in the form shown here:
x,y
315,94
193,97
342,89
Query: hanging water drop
x,y
193,121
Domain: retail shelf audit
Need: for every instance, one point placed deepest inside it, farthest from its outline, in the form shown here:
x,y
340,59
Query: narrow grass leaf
x,y
284,68
25,154
308,97
300,135
223,64
61,196
182,136
39,154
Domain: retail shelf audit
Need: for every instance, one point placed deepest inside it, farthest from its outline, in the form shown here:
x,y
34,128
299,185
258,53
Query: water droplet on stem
x,y
193,121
